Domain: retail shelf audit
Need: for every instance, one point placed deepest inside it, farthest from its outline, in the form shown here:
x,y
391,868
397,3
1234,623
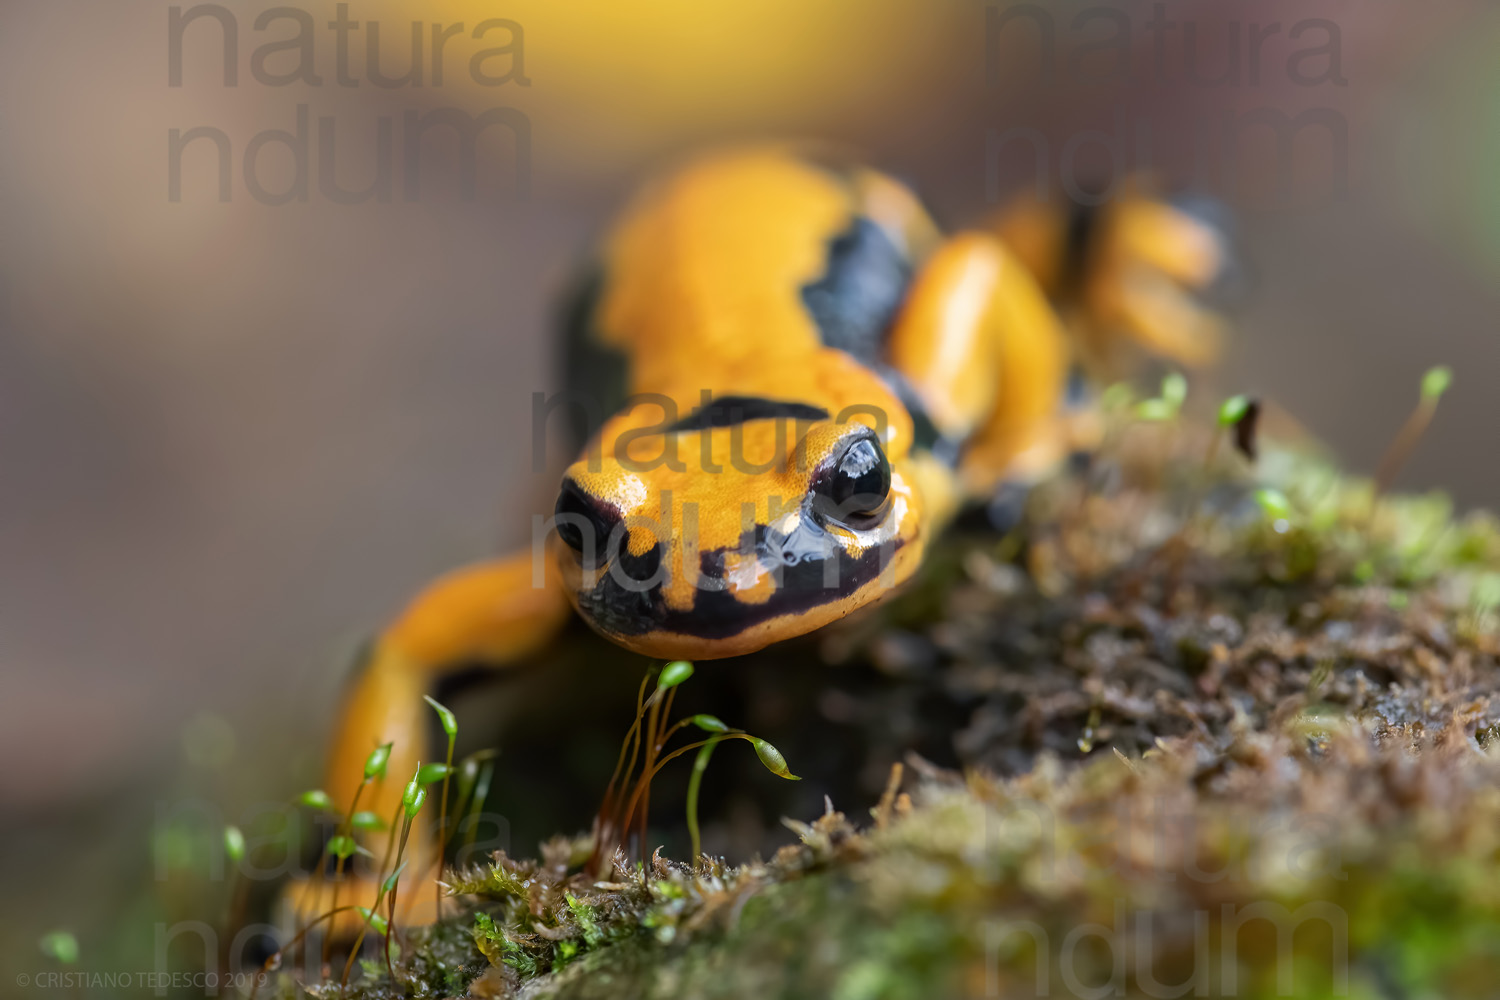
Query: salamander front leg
x,y
490,613
986,355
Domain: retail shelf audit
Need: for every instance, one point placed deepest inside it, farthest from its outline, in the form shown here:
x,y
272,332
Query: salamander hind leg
x,y
1131,272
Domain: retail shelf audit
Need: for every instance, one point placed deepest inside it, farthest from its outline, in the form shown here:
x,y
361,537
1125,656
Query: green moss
x,y
1244,753
588,925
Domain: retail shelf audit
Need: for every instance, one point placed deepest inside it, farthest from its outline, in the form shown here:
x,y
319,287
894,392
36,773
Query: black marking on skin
x,y
730,411
603,520
612,606
862,288
1080,243
716,612
925,434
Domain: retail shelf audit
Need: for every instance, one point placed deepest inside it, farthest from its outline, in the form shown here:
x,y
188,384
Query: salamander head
x,y
750,521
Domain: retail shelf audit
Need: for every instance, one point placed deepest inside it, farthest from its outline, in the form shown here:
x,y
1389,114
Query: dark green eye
x,y
858,484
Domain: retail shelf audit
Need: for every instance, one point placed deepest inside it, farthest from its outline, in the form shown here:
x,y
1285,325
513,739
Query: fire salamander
x,y
800,380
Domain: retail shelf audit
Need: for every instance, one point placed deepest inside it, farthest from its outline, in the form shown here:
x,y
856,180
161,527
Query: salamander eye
x,y
857,486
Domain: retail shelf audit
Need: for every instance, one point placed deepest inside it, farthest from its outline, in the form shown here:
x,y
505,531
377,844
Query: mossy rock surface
x,y
1159,739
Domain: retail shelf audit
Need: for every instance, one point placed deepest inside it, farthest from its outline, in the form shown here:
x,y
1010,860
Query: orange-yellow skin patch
x,y
750,581
706,269
679,290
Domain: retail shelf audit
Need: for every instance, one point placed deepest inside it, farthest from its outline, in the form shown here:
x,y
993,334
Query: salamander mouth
x,y
805,578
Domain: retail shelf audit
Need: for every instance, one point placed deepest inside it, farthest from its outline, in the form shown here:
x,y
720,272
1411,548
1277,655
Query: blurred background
x,y
234,434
